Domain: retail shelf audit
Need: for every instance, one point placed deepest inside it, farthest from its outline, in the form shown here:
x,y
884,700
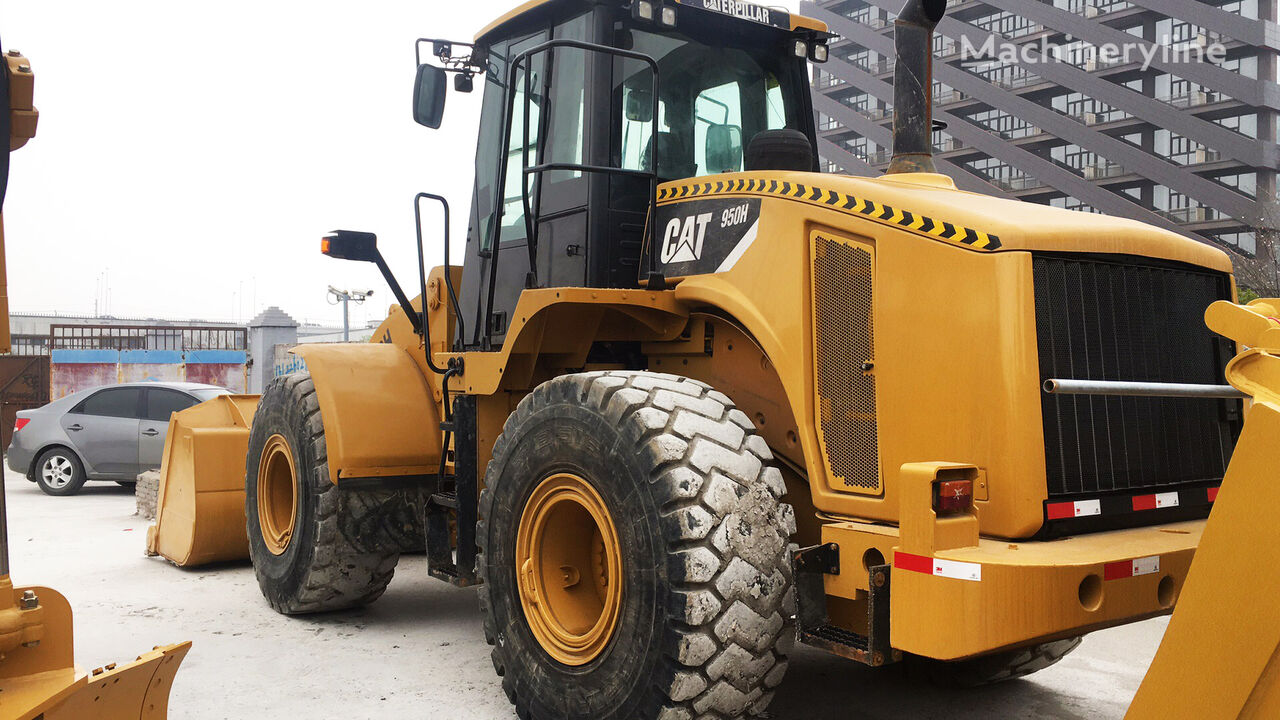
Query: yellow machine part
x,y
39,679
377,408
1220,657
23,118
200,507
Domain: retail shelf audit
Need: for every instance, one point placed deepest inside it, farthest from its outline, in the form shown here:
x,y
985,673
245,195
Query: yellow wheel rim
x,y
277,494
569,569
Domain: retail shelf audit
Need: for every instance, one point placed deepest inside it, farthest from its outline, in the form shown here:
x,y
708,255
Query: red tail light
x,y
20,423
952,496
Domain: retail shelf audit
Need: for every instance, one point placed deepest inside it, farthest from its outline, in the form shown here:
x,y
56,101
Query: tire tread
x,y
340,575
725,527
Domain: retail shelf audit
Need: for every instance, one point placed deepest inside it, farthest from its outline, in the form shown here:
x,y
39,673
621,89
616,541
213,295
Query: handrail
x,y
531,238
422,273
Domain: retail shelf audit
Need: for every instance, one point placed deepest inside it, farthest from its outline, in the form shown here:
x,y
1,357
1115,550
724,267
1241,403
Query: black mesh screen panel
x,y
1103,319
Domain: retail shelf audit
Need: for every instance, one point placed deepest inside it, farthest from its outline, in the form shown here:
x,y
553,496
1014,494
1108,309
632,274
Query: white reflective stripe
x,y
740,248
1146,565
1169,499
957,570
1088,507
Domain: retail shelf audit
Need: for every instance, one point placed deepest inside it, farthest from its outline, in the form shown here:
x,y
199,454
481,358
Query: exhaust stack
x,y
913,86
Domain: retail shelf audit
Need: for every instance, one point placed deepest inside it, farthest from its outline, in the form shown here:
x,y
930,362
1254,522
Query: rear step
x,y
811,565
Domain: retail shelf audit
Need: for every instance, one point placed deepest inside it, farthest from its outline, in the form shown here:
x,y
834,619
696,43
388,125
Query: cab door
x,y
159,404
551,92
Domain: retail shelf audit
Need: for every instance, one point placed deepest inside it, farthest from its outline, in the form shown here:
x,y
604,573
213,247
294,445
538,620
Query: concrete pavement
x,y
418,652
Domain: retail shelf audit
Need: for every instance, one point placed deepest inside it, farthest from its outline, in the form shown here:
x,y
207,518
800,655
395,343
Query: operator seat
x,y
675,157
784,149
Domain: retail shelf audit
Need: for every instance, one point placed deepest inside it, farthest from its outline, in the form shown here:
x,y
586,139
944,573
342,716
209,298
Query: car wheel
x,y
59,472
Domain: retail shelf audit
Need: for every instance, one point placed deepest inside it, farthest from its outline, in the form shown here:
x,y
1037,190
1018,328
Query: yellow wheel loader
x,y
38,676
688,398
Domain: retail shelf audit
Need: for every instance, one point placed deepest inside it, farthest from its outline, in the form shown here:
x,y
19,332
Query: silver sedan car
x,y
113,432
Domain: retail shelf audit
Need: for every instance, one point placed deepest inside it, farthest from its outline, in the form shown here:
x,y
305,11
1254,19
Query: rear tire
x,y
993,668
330,548
702,539
59,472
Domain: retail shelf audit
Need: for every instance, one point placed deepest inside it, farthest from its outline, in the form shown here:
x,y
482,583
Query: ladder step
x,y
445,499
450,574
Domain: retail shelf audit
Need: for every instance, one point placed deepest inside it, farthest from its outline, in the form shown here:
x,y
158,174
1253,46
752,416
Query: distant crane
x,y
346,297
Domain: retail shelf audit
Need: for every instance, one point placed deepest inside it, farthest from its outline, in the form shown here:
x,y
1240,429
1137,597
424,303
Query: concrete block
x,y
146,492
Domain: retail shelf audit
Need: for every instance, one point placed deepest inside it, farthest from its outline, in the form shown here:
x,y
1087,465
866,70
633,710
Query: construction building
x,y
1165,111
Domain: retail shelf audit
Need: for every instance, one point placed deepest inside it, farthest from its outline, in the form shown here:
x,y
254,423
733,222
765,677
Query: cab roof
x,y
798,22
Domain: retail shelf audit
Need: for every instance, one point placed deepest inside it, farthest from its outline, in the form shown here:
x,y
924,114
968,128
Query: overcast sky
x,y
189,156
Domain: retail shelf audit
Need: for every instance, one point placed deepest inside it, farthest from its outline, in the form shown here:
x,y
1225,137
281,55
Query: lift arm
x,y
1220,657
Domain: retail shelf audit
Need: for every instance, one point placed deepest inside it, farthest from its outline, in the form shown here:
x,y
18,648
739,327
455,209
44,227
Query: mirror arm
x,y
475,62
415,317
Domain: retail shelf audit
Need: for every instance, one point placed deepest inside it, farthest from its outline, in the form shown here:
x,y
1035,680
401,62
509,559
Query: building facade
x,y
1164,111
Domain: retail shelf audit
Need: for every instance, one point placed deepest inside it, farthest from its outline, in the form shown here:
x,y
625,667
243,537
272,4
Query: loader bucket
x,y
200,507
39,679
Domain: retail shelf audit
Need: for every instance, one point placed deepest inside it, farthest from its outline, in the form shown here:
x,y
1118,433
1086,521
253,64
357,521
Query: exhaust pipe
x,y
913,86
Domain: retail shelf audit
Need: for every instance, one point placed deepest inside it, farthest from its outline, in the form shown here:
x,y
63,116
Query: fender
x,y
380,419
553,328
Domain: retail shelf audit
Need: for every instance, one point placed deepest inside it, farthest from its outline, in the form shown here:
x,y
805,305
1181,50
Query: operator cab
x,y
582,132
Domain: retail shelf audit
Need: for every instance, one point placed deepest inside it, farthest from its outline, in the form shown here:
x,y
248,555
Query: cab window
x,y
556,108
712,101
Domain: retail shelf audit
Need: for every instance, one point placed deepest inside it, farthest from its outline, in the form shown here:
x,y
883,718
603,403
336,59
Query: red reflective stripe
x,y
1117,570
1144,502
1057,511
1213,494
917,563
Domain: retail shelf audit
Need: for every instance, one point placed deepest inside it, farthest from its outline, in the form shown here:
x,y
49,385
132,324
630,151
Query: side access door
x,y
104,429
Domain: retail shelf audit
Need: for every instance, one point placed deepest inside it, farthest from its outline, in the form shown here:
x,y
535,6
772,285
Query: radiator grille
x,y
1112,320
842,281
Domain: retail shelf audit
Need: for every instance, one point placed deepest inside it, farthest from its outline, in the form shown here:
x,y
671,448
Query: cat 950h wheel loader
x,y
686,391
38,675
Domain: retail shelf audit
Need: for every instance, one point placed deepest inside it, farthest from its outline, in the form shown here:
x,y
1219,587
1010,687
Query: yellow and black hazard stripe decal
x,y
955,234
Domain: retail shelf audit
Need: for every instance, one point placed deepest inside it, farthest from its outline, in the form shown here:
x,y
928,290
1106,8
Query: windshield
x,y
712,101
203,394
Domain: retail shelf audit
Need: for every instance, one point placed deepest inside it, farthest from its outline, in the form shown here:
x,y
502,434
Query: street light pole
x,y
346,297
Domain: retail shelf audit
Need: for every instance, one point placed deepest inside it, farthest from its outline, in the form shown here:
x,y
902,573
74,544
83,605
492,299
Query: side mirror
x,y
429,89
724,148
351,245
639,105
363,247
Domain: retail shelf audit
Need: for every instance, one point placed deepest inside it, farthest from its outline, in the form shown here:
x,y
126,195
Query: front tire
x,y
310,542
59,472
693,610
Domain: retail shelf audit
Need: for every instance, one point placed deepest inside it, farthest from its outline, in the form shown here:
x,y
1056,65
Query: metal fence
x,y
146,337
28,345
